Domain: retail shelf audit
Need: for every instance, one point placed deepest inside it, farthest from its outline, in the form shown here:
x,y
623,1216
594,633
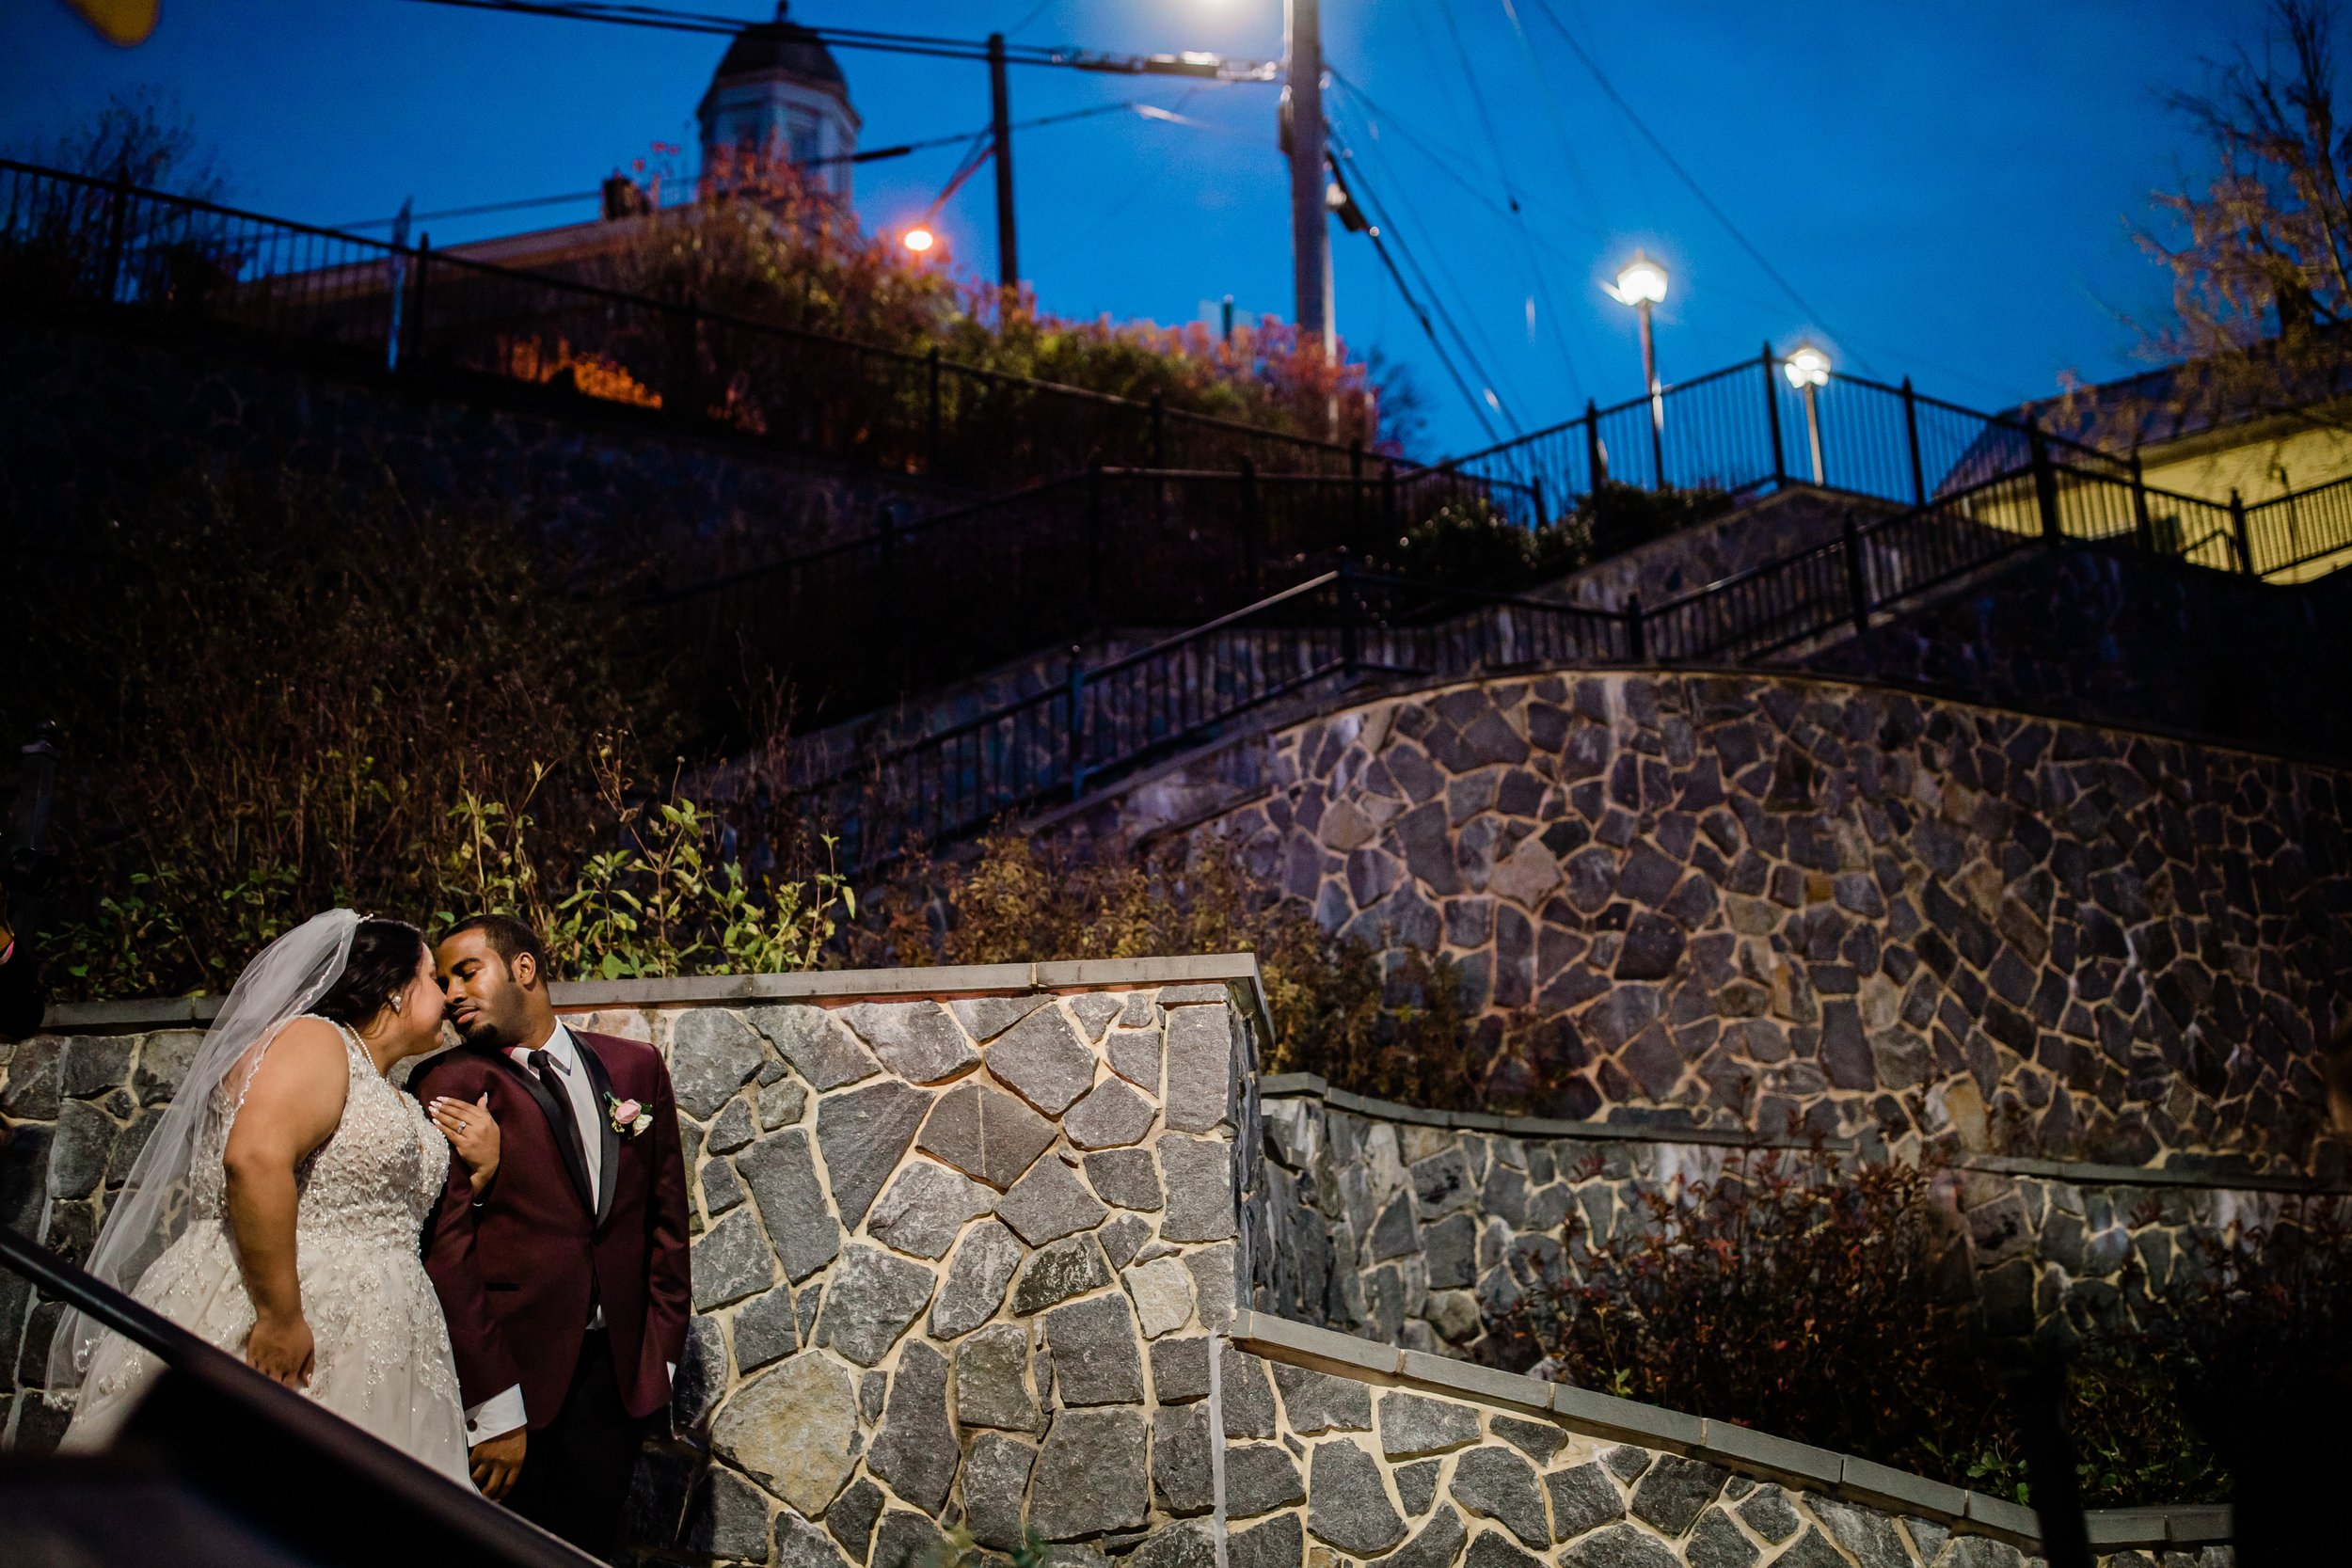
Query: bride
x,y
276,1209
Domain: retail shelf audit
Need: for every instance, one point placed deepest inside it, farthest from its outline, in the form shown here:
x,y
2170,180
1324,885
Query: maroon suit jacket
x,y
518,1276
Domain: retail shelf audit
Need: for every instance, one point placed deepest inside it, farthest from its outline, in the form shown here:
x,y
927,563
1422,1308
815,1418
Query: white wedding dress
x,y
382,1347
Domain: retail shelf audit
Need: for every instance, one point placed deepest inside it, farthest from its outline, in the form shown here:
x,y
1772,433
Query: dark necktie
x,y
552,1076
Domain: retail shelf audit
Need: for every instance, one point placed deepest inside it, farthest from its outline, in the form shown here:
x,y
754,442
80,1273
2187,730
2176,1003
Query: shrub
x,y
1402,1033
1828,1302
764,240
277,697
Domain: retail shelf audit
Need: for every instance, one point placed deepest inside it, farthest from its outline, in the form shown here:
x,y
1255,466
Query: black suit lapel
x,y
610,1159
557,1118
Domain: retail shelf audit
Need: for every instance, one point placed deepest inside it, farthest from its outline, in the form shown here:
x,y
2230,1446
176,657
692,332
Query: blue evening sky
x,y
1951,187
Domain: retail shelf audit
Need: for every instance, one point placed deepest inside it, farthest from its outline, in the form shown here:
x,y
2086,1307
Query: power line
x,y
1381,222
1543,8
870,155
1438,300
1195,64
1526,246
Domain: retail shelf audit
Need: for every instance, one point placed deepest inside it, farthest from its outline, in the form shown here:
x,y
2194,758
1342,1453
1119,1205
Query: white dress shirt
x,y
503,1412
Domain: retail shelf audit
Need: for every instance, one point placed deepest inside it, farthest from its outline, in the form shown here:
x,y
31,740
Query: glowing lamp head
x,y
1641,281
918,239
1806,366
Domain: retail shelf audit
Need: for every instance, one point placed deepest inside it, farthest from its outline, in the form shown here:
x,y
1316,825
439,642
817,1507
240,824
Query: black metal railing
x,y
1105,720
905,608
326,1474
1747,427
68,241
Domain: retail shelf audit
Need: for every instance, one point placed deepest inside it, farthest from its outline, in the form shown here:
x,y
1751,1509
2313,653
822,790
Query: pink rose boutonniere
x,y
629,1118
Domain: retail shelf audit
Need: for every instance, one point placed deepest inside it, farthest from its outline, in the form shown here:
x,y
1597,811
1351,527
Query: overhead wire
x,y
1405,292
1537,274
1389,231
1543,8
1485,352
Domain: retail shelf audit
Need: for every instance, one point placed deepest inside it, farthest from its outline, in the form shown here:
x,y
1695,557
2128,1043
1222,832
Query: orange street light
x,y
918,239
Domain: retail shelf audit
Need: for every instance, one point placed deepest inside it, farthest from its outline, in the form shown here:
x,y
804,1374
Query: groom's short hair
x,y
508,937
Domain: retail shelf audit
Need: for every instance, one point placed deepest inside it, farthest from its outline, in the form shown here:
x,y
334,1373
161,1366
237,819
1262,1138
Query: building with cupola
x,y
778,91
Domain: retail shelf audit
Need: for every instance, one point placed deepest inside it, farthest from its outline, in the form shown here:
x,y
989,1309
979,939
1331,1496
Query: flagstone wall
x,y
989,1251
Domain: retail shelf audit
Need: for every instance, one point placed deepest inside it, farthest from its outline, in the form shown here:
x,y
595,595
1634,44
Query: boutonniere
x,y
629,1118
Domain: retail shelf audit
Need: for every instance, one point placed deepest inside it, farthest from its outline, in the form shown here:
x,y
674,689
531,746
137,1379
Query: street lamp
x,y
1807,367
1641,283
918,239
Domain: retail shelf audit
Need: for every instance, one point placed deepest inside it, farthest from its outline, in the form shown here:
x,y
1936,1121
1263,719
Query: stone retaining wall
x,y
969,1251
1750,900
1421,1228
1433,1463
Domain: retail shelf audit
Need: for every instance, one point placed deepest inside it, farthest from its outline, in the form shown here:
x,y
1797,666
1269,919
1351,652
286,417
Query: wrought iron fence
x,y
1106,720
67,241
905,607
1747,426
1109,720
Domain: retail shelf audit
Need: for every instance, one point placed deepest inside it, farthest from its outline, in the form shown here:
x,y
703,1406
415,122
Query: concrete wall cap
x,y
1747,1450
1997,1518
1234,969
1870,1482
1470,1379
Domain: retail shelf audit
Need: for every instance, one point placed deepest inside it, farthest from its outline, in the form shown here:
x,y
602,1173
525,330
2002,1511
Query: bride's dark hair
x,y
384,958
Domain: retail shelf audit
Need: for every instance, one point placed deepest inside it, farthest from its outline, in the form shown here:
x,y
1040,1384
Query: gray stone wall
x,y
1433,1463
968,1252
1756,901
1420,1230
1780,525
962,1240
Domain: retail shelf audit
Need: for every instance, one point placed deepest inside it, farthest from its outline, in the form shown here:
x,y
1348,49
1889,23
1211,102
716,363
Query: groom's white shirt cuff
x,y
502,1413
495,1417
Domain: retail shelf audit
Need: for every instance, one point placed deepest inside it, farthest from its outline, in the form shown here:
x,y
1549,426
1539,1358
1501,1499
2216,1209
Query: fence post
x,y
1388,495
1636,633
110,261
412,320
2142,530
1077,725
931,431
1252,529
2045,486
1771,417
2237,531
1356,491
1858,580
1159,430
1094,537
1657,437
1596,458
1911,431
1351,649
1541,515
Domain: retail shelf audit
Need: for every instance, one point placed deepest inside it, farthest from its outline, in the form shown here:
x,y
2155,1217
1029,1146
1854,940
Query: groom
x,y
564,1282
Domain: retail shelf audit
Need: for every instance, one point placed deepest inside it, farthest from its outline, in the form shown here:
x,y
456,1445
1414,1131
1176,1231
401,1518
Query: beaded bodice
x,y
373,1180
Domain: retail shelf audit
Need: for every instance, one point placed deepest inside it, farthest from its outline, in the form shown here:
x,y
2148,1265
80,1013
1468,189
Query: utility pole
x,y
1001,120
1311,234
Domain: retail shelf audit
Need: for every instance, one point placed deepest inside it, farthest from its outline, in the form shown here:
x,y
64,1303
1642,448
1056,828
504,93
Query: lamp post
x,y
1641,283
1310,213
1807,367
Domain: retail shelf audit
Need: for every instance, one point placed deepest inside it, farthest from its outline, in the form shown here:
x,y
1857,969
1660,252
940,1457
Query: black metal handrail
x,y
373,305
460,1516
1103,721
1109,720
905,607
